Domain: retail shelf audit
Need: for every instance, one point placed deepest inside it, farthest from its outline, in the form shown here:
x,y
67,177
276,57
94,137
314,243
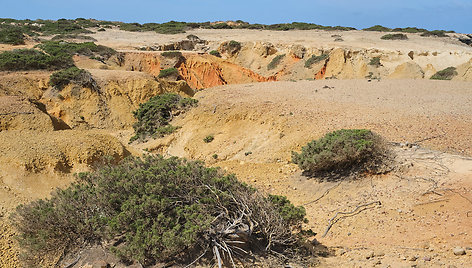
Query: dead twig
x,y
432,202
323,195
354,212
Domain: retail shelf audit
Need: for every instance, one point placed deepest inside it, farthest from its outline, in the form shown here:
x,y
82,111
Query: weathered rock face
x,y
464,71
298,51
203,72
27,84
18,113
408,70
111,106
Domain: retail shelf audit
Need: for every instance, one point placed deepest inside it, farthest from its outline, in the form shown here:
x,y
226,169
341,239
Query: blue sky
x,y
430,14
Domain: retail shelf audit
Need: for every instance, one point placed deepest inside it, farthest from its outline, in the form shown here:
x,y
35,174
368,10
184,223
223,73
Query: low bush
x,y
30,59
378,28
208,138
215,53
72,36
375,61
436,33
168,72
409,30
62,26
231,47
74,75
193,37
159,210
154,115
172,54
315,59
398,36
343,151
234,44
12,36
446,74
90,49
275,61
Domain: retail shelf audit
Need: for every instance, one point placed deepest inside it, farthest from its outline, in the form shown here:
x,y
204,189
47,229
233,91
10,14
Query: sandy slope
x,y
425,203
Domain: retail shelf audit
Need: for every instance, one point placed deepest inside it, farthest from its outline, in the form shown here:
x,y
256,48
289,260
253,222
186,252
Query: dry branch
x,y
354,212
323,195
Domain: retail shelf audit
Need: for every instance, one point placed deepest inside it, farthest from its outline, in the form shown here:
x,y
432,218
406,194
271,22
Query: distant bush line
x,y
83,26
51,55
424,32
397,36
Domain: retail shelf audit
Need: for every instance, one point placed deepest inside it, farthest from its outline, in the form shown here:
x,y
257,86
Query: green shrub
x,y
30,59
378,28
72,36
75,75
215,156
168,72
172,54
275,61
12,36
409,30
154,115
208,138
215,53
375,61
171,27
221,26
343,151
394,37
62,26
437,33
446,74
315,59
162,210
65,49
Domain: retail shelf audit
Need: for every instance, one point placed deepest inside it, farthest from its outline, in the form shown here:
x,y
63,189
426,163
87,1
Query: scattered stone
x,y
426,258
369,255
458,251
413,258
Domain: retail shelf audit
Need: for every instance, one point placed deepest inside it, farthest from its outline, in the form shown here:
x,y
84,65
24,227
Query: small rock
x,y
426,258
369,255
458,251
413,258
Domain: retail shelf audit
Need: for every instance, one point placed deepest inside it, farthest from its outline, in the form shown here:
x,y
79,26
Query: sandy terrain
x,y
311,38
425,202
417,213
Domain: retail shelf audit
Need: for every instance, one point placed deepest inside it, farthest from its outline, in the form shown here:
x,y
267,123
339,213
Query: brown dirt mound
x,y
17,113
63,151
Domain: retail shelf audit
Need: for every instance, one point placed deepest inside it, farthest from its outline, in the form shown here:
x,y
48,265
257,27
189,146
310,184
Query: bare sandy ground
x,y
311,38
